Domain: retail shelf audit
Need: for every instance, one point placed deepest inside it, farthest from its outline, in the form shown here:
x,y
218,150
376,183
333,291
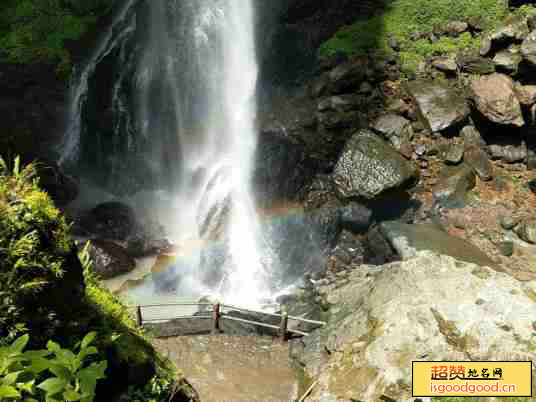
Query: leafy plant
x,y
54,374
37,30
401,18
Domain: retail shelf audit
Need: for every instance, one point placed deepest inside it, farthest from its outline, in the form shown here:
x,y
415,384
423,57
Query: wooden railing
x,y
217,312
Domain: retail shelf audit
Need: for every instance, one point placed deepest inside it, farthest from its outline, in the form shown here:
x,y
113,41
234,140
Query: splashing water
x,y
207,61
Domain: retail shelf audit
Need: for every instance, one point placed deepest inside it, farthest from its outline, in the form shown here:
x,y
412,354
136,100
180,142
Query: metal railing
x,y
217,312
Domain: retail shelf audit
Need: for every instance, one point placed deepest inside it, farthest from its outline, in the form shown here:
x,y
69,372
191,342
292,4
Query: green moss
x,y
402,17
47,292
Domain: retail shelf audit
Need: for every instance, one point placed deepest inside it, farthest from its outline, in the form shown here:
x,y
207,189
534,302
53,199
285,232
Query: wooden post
x,y
283,326
216,314
138,316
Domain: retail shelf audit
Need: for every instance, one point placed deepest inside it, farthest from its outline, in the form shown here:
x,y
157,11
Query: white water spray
x,y
208,62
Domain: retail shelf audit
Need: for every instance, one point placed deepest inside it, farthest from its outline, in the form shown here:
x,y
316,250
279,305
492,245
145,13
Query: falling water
x,y
202,55
184,100
69,147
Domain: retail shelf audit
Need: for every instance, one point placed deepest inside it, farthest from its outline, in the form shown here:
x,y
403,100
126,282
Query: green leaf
x,y
30,400
27,386
52,385
92,350
71,395
10,378
19,344
35,354
38,365
88,339
53,346
60,371
7,391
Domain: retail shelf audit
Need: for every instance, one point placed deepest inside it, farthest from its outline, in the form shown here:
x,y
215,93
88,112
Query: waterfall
x,y
181,88
200,64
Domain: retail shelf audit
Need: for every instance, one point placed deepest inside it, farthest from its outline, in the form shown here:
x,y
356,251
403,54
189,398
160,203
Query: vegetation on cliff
x,y
39,30
401,18
46,292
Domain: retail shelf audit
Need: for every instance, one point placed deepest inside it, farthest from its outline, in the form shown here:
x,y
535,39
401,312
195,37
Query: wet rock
x,y
495,98
528,48
379,250
365,88
408,240
508,153
342,103
110,260
110,220
338,120
321,193
506,248
526,230
454,185
384,318
514,29
369,166
439,107
477,159
508,61
280,169
345,77
454,154
526,94
214,208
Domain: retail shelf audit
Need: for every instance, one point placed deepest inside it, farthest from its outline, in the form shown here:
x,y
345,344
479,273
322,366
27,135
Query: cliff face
x,y
290,32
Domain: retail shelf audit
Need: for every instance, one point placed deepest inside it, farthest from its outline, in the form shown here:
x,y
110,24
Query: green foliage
x,y
36,30
402,17
39,272
54,374
34,243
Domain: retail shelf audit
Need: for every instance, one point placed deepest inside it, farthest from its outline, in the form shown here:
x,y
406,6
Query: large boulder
x,y
369,166
109,259
495,98
408,240
110,220
430,308
439,107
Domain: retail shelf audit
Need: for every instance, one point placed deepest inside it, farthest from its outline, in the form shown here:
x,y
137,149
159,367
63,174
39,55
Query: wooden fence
x,y
218,312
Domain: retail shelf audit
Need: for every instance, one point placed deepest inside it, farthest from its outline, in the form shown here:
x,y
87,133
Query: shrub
x,y
35,255
54,374
36,30
402,17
